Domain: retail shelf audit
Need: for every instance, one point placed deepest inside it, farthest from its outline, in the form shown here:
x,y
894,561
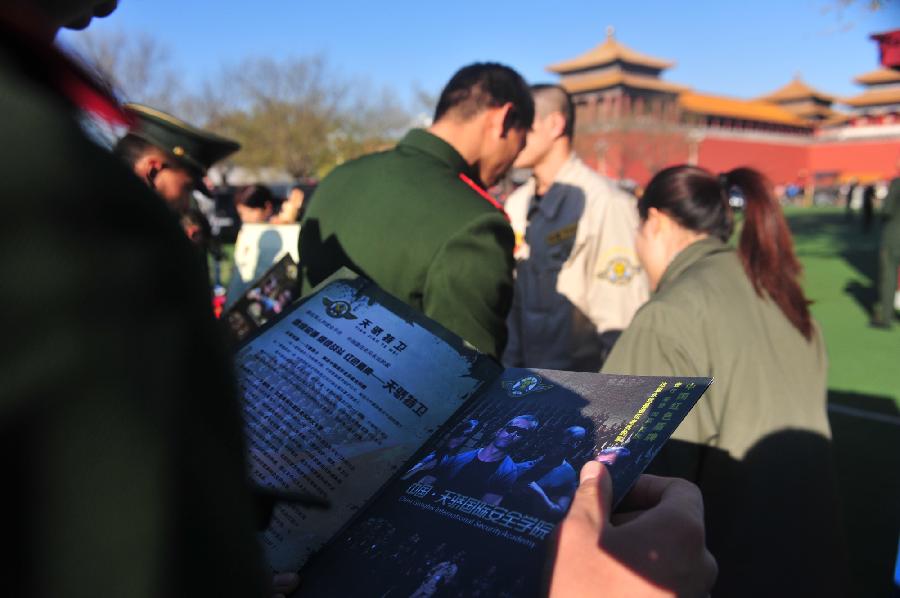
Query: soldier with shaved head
x,y
578,281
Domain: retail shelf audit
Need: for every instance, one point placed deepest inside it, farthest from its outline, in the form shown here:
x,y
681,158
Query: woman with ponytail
x,y
757,444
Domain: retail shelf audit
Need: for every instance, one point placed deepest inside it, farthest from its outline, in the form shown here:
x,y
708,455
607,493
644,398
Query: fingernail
x,y
590,471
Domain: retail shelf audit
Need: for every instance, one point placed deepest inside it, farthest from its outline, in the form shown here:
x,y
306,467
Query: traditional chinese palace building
x,y
631,121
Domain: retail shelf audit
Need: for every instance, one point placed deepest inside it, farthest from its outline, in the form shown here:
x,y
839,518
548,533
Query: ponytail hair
x,y
766,248
698,201
692,197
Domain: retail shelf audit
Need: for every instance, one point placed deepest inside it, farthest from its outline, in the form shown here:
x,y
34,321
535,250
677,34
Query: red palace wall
x,y
865,159
782,163
635,156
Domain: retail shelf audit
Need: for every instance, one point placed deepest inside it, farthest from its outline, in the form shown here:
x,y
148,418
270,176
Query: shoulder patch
x,y
563,234
619,270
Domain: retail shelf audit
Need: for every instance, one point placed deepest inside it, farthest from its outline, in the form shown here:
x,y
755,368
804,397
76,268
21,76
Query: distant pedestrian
x,y
888,255
255,204
868,207
292,208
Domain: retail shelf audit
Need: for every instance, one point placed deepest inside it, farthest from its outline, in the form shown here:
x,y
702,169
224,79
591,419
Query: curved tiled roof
x,y
808,111
874,97
755,110
797,89
607,52
582,83
879,76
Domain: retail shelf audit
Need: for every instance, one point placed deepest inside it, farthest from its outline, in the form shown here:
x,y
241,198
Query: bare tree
x,y
297,115
135,65
293,114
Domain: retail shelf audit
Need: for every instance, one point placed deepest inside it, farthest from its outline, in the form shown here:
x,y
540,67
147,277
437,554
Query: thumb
x,y
593,499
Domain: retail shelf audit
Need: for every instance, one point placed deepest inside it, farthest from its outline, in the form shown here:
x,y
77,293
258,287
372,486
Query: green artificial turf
x,y
840,274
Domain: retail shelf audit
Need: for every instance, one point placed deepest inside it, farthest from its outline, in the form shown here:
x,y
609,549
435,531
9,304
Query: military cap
x,y
193,148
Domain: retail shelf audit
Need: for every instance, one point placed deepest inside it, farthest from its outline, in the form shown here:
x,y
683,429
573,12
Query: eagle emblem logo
x,y
338,309
619,270
524,386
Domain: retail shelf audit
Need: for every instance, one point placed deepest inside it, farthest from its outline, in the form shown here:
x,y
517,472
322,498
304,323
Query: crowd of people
x,y
117,488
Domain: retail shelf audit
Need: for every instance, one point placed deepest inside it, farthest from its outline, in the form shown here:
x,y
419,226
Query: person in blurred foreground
x,y
110,487
758,442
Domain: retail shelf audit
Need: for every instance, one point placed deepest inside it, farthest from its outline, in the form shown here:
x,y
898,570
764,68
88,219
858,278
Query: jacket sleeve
x,y
514,356
469,284
121,428
616,284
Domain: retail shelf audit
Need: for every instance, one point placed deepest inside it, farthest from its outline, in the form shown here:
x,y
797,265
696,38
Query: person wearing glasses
x,y
488,472
454,445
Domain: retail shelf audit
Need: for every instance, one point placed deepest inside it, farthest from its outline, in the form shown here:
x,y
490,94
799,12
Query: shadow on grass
x,y
830,235
867,459
865,296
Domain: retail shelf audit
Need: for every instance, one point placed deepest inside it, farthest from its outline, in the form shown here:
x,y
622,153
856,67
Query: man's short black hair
x,y
556,99
132,148
487,85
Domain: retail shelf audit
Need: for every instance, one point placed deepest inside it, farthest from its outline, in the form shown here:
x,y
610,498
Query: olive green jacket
x,y
758,441
405,219
705,319
122,453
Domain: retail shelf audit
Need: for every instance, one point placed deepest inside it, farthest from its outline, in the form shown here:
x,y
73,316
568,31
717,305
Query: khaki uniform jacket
x,y
757,443
404,219
122,451
577,275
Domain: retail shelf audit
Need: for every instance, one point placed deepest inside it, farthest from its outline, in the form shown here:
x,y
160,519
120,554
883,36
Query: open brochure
x,y
445,472
257,248
264,300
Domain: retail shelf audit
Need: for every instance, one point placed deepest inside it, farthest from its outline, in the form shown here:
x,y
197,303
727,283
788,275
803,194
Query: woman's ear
x,y
656,221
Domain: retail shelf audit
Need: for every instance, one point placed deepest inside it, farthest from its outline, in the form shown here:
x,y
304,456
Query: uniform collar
x,y
689,256
428,143
551,201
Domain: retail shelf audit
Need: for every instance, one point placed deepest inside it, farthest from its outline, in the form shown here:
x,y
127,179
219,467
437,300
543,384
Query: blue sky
x,y
737,48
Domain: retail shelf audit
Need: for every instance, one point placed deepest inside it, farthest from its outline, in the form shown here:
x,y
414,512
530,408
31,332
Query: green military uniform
x,y
889,254
122,454
193,149
757,442
405,219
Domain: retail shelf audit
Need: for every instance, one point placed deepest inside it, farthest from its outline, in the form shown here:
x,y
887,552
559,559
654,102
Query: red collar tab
x,y
484,194
53,68
89,98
